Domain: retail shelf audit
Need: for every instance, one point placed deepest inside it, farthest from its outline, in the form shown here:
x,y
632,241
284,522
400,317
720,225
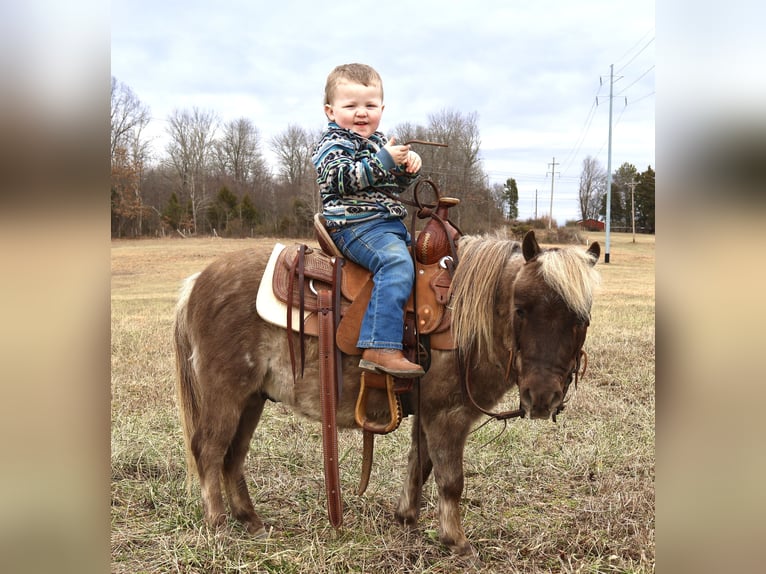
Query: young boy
x,y
355,163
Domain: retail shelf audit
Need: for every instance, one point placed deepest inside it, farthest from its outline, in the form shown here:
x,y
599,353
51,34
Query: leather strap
x,y
465,379
297,269
329,402
336,290
301,304
368,446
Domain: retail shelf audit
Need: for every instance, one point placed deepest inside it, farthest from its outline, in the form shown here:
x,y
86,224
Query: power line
x,y
615,123
641,39
625,107
592,112
583,133
636,55
586,127
634,81
642,98
537,176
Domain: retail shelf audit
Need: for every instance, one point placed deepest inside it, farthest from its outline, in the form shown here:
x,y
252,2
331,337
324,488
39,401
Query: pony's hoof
x,y
261,533
408,519
472,560
464,550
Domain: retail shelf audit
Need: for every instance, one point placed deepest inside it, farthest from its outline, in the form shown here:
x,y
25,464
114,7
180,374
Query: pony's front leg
x,y
418,469
446,450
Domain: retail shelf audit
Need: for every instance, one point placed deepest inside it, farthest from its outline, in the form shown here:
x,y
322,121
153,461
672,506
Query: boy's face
x,y
356,107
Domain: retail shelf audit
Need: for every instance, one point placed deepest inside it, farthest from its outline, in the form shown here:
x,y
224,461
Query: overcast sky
x,y
536,73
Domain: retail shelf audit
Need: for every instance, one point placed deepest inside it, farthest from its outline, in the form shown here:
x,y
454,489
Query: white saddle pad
x,y
270,308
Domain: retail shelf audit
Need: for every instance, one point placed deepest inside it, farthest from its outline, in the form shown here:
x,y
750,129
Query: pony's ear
x,y
594,251
529,246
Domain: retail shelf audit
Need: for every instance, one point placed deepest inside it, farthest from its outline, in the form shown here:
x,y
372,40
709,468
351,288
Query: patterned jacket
x,y
351,172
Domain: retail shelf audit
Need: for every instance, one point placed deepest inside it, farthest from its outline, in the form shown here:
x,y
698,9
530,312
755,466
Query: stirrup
x,y
394,403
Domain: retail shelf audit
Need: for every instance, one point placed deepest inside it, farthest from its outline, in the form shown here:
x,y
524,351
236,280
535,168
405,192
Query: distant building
x,y
591,225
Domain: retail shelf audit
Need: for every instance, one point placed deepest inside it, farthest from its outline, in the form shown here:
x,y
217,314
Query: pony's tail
x,y
186,378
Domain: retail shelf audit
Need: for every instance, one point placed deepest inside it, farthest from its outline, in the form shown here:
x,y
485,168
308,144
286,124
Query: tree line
x,y
632,196
212,178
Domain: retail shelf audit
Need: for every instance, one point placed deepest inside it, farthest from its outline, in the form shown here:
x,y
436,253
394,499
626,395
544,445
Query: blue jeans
x,y
381,246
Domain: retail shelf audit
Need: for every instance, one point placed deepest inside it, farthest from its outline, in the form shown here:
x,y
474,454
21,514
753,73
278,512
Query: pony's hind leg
x,y
418,470
208,453
240,503
210,443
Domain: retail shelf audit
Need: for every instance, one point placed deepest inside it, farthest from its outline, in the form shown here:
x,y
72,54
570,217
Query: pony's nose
x,y
541,403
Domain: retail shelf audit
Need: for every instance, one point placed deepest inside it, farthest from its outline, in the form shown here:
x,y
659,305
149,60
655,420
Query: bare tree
x,y
192,135
592,188
293,148
237,152
129,156
129,116
457,168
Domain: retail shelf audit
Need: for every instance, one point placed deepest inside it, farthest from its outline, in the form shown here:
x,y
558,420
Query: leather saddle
x,y
431,291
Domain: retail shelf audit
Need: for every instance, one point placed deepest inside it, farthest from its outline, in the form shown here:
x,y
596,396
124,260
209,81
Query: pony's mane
x,y
482,261
568,271
571,274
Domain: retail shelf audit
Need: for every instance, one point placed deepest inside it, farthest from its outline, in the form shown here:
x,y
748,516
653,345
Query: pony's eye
x,y
520,313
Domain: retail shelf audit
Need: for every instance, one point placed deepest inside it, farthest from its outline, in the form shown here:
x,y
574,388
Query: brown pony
x,y
520,314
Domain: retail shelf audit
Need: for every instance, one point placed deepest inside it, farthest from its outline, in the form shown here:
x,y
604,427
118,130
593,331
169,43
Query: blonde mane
x,y
482,261
568,271
571,274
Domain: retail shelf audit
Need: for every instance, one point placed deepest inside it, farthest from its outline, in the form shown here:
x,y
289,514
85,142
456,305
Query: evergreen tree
x,y
173,212
621,179
511,198
248,212
222,209
644,199
617,208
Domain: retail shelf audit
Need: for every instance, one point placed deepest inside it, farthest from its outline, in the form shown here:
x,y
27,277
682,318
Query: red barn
x,y
591,225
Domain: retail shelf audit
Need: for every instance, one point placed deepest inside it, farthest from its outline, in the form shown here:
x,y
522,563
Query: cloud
x,y
531,72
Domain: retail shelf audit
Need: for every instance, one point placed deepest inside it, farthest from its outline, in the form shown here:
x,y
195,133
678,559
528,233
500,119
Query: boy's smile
x,y
356,107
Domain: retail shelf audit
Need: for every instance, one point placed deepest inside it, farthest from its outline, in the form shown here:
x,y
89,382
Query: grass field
x,y
576,496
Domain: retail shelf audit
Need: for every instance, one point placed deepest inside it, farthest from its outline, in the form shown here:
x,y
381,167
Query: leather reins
x,y
510,370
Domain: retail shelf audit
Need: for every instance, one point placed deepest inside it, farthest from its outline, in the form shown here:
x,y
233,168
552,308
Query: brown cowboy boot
x,y
390,361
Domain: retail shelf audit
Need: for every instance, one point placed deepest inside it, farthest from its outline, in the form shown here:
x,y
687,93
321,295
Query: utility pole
x,y
553,177
535,204
632,186
609,168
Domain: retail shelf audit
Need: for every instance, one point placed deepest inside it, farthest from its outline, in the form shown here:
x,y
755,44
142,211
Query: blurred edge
x,y
54,287
711,198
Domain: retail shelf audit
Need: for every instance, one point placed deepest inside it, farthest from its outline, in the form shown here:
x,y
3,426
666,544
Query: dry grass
x,y
577,496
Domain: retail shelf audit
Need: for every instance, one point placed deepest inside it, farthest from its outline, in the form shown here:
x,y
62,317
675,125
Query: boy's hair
x,y
357,73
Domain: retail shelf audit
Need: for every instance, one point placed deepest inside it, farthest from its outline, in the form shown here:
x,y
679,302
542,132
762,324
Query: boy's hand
x,y
414,162
402,155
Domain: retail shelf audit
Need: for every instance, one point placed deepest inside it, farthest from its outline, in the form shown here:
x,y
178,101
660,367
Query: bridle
x,y
511,377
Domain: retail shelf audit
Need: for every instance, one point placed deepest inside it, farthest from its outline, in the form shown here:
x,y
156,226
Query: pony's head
x,y
550,315
527,315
